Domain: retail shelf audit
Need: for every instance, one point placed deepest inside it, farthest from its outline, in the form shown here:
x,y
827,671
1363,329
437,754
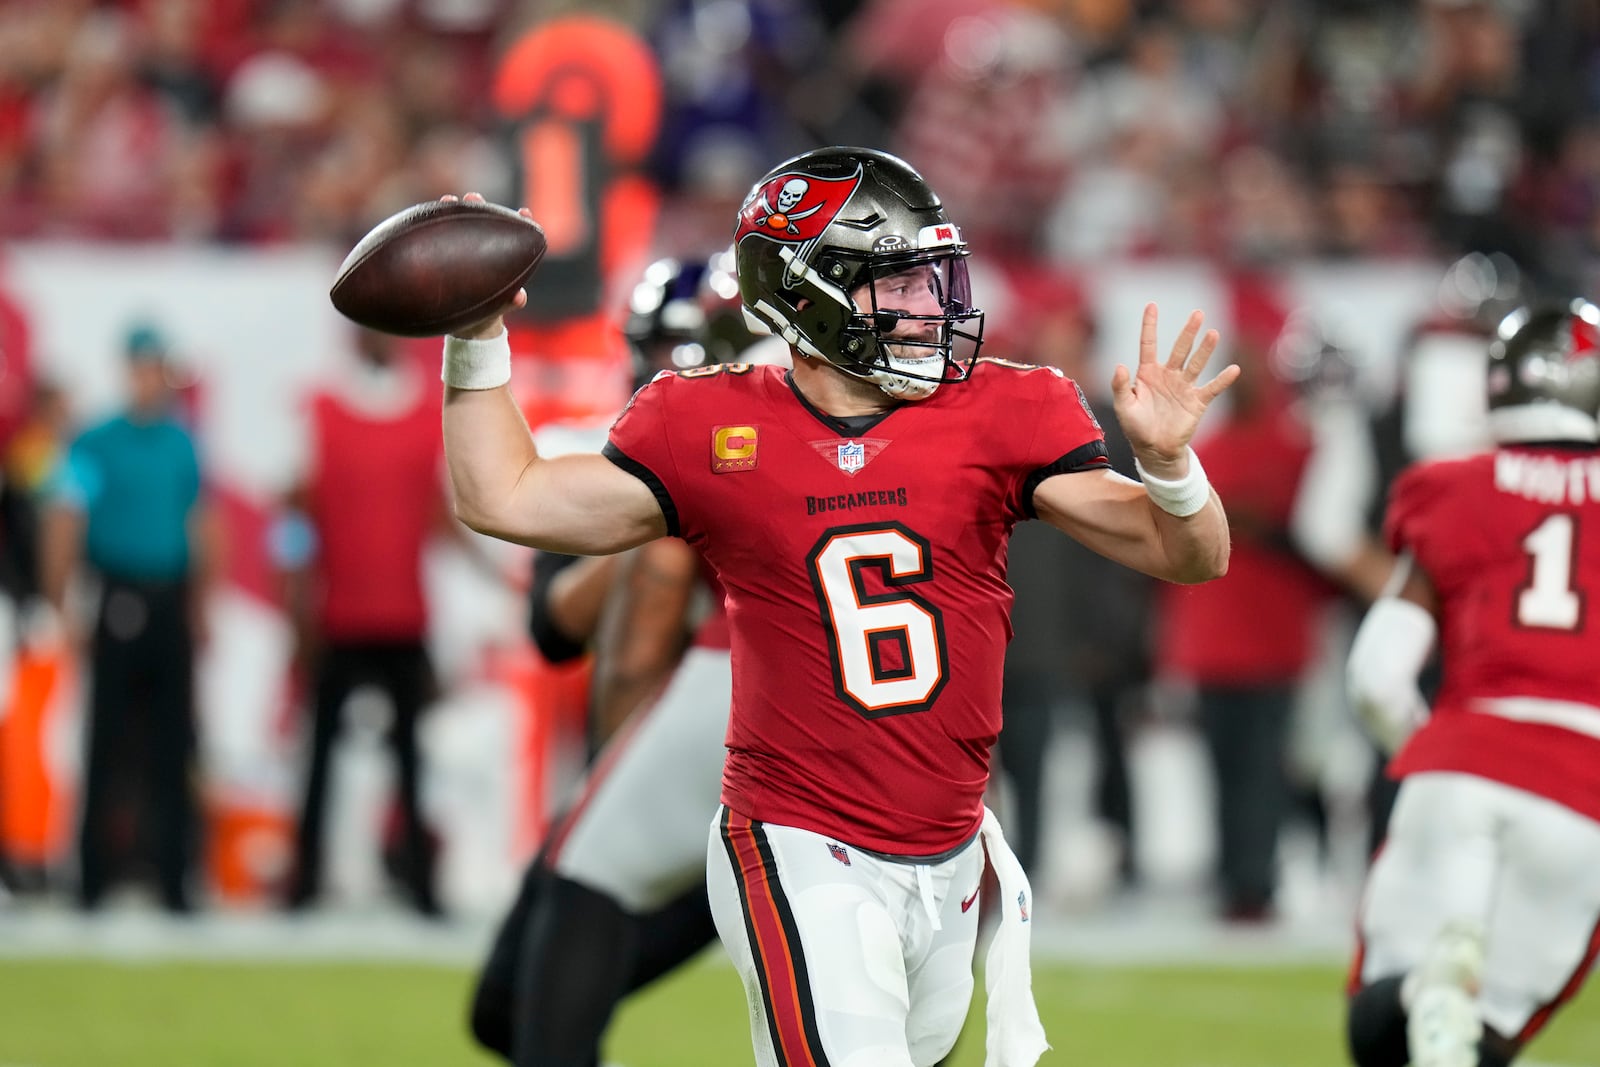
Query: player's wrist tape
x,y
484,363
1178,496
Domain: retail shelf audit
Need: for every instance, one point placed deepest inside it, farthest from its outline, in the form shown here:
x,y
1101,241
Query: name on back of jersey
x,y
1546,479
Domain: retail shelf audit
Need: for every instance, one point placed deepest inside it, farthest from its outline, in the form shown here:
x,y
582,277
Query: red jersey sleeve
x,y
640,442
1066,436
1410,503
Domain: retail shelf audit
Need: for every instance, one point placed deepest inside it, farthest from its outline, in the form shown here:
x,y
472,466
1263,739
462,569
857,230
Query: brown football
x,y
437,267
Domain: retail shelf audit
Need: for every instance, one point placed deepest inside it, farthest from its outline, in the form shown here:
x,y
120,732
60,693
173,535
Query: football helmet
x,y
1312,358
1480,289
1544,375
848,255
667,319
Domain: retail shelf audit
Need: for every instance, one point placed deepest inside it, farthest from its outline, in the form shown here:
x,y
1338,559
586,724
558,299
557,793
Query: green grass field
x,y
66,1013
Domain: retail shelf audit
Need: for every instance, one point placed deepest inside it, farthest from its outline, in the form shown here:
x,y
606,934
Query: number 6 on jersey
x,y
888,649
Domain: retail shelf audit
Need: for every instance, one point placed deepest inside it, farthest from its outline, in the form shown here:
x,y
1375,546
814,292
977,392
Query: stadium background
x,y
205,166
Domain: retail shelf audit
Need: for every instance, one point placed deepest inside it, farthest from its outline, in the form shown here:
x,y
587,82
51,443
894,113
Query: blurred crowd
x,y
1242,129
1062,134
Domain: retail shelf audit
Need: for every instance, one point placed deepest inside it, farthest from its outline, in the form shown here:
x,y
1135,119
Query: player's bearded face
x,y
897,299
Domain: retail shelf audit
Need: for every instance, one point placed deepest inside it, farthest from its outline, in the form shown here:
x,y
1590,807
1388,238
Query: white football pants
x,y
847,958
638,831
1526,869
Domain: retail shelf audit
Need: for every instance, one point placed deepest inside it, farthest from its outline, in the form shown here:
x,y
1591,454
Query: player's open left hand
x,y
1159,405
491,326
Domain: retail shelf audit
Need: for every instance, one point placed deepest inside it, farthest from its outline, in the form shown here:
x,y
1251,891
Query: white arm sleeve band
x,y
1178,496
477,364
1390,648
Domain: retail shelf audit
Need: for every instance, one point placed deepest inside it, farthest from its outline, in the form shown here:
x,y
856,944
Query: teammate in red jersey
x,y
1481,911
857,511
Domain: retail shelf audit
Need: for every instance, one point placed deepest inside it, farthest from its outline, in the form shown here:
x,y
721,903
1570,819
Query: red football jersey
x,y
712,631
866,582
1511,541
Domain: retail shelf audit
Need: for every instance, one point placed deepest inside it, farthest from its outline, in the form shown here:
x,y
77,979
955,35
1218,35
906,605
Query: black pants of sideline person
x,y
1029,701
400,669
140,734
1247,731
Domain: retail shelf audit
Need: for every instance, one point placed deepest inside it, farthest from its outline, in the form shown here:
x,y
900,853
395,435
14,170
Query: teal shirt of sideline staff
x,y
137,483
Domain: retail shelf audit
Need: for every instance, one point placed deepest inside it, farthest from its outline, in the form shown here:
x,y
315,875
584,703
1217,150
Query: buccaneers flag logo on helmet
x,y
794,207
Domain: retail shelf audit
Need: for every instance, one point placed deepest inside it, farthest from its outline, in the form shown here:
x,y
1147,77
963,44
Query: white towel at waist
x,y
1016,1036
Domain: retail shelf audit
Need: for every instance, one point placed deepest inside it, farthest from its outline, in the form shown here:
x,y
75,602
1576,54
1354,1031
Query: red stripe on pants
x,y
773,952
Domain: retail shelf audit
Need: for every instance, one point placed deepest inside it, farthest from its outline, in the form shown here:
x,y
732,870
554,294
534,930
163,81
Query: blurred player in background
x,y
1481,908
1439,411
868,616
616,897
681,316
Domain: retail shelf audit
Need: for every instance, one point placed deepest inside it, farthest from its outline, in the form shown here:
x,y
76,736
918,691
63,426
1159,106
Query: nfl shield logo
x,y
839,853
852,456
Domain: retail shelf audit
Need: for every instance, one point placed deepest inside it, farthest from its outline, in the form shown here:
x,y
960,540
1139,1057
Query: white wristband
x,y
477,364
1178,496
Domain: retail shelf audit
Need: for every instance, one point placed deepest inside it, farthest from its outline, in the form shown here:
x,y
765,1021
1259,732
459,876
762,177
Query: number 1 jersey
x,y
1511,542
865,571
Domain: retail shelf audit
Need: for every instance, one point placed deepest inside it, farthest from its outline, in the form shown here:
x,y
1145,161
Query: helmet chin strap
x,y
900,386
904,388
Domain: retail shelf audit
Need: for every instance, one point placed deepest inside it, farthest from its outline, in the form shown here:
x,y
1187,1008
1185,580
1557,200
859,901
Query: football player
x,y
856,510
1480,910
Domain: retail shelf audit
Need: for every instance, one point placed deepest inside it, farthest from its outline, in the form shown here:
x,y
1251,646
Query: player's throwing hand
x,y
1159,405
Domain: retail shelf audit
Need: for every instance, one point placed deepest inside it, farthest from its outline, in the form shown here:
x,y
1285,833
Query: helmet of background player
x,y
1310,357
1544,375
666,323
819,233
1480,289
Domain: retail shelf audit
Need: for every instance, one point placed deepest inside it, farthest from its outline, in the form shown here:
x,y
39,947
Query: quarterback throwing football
x,y
857,511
